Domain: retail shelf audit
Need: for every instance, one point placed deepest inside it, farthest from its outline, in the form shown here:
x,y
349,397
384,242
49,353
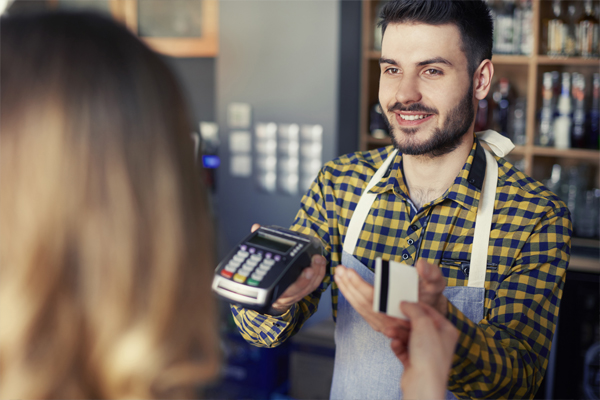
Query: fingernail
x,y
308,273
339,271
320,261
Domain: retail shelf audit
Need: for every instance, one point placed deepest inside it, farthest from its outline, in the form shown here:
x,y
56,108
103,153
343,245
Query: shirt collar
x,y
465,190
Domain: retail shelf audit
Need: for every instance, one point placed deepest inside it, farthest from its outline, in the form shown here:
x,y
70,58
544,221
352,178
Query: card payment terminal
x,y
263,265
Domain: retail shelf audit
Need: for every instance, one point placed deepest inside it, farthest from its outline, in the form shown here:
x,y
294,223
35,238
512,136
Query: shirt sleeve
x,y
506,354
264,330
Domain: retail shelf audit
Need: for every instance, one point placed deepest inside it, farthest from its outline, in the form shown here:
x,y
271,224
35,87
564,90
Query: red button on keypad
x,y
226,274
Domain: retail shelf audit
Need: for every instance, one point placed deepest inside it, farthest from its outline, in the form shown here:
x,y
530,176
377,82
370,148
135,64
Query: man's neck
x,y
428,178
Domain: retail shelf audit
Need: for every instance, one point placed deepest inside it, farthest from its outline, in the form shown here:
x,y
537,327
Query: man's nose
x,y
407,91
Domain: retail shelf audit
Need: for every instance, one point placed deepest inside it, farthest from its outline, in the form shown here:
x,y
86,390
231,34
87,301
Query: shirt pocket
x,y
464,265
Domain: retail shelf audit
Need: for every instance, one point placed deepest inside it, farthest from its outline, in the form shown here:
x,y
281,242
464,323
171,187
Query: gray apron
x,y
365,366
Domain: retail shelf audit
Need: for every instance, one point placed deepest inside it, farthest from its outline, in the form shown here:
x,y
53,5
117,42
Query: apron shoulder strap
x,y
483,223
500,145
359,216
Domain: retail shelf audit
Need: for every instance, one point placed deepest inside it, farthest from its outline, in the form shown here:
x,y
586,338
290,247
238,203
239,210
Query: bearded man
x,y
490,244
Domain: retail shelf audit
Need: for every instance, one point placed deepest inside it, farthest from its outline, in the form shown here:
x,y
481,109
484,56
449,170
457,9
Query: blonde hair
x,y
106,244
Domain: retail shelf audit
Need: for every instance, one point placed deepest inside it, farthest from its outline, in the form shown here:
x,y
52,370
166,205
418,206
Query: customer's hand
x,y
360,296
307,282
427,354
431,285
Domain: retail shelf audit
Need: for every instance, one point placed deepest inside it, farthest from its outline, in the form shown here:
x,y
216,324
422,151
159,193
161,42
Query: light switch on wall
x,y
239,115
240,142
240,165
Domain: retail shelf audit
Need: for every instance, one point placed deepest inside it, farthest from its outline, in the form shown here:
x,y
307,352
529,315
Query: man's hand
x,y
360,295
426,353
307,282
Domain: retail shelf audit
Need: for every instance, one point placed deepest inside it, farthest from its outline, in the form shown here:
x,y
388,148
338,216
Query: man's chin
x,y
410,147
408,131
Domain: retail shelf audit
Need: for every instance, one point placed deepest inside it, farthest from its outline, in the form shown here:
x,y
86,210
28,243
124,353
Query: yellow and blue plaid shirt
x,y
506,354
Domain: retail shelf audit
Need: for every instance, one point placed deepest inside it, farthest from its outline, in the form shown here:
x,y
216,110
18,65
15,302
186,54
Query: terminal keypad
x,y
249,265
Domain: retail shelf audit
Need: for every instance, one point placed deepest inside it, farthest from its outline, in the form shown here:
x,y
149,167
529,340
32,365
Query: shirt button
x,y
414,227
405,256
410,241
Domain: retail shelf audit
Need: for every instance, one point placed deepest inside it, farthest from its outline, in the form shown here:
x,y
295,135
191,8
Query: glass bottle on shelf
x,y
377,34
576,187
564,121
556,182
503,99
517,25
587,42
556,31
588,214
547,111
505,30
578,133
526,23
594,115
571,25
492,5
519,121
481,118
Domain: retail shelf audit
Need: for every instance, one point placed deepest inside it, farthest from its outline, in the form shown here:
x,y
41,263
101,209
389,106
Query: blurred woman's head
x,y
106,246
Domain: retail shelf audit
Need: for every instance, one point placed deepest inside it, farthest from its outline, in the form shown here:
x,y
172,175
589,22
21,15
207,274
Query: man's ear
x,y
482,80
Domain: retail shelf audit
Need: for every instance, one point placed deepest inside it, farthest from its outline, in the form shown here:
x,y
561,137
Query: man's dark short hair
x,y
472,17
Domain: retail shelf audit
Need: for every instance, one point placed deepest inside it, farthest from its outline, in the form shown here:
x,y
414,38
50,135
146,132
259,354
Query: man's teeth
x,y
412,117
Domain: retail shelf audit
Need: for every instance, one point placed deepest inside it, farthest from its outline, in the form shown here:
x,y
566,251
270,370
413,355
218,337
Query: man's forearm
x,y
264,330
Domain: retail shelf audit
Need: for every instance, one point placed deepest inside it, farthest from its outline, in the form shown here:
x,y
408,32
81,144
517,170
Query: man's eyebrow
x,y
384,60
436,60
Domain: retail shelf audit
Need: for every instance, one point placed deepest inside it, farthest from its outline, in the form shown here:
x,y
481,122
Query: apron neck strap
x,y
483,223
500,145
363,207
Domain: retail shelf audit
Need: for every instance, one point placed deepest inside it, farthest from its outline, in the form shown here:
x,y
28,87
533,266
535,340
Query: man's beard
x,y
445,139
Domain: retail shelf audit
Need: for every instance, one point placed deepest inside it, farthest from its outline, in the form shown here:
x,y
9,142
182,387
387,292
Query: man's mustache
x,y
415,107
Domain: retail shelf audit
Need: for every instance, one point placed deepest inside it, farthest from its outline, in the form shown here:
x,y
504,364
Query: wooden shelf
x,y
581,154
507,59
501,59
584,264
373,54
205,45
585,242
379,142
518,151
575,61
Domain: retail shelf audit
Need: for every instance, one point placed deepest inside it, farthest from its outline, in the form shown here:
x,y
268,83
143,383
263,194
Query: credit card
x,y
394,282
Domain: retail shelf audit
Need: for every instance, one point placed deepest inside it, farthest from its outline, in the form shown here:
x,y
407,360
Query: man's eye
x,y
392,70
432,71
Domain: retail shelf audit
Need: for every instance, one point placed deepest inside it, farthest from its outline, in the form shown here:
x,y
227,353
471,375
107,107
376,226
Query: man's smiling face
x,y
425,90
